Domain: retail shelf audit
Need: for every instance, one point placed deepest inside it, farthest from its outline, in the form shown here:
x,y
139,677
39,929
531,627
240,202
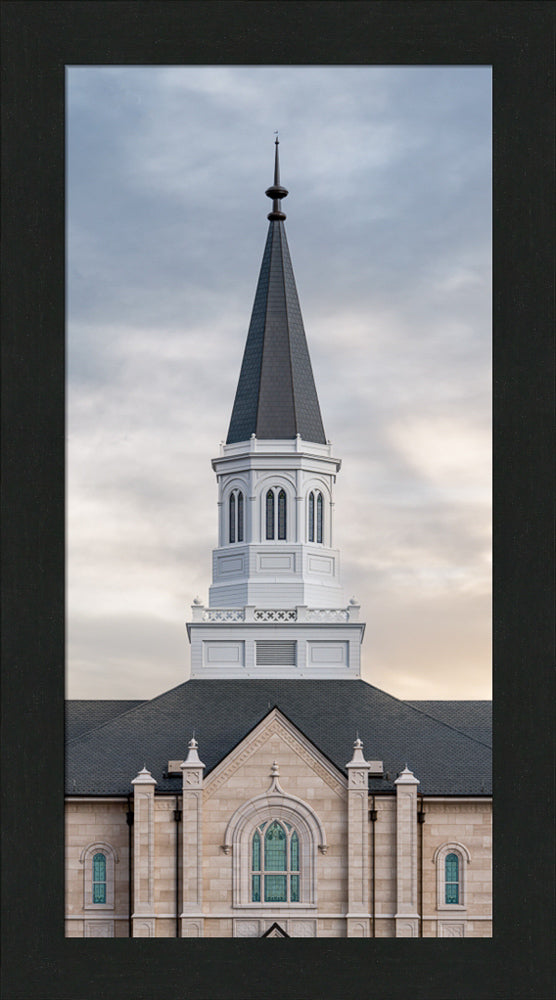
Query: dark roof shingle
x,y
446,761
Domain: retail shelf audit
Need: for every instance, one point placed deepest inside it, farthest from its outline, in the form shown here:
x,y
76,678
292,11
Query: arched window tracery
x,y
275,863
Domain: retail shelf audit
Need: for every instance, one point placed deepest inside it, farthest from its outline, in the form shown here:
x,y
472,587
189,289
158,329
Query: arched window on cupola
x,y
276,514
275,863
235,516
315,517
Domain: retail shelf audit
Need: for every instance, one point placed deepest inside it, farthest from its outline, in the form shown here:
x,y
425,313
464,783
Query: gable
x,y
275,738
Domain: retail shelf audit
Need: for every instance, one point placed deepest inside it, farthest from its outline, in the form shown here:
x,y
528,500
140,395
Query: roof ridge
x,y
447,724
145,701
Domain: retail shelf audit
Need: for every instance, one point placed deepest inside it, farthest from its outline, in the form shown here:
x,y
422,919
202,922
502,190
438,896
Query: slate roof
x,y
471,717
85,714
276,395
446,761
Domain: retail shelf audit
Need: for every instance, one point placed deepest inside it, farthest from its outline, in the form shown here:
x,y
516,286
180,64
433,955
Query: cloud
x,y
388,170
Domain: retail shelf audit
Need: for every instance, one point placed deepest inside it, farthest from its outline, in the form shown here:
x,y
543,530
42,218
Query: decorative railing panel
x,y
223,615
273,615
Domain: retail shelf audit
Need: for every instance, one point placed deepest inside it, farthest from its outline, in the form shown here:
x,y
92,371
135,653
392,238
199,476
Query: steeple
x,y
276,398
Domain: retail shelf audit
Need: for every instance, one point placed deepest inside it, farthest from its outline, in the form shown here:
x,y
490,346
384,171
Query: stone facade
x,y
191,851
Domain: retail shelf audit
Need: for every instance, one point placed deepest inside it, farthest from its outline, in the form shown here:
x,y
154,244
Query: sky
x,y
389,227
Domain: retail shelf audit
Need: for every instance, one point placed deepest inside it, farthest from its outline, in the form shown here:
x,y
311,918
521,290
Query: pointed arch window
x,y
315,517
282,515
319,518
276,514
235,516
270,514
275,863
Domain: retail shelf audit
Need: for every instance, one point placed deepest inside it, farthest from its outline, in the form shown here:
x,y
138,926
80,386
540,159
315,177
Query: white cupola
x,y
275,573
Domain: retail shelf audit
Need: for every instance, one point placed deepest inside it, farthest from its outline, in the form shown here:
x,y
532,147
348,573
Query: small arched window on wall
x,y
235,512
275,863
99,878
451,879
276,514
451,862
98,862
315,519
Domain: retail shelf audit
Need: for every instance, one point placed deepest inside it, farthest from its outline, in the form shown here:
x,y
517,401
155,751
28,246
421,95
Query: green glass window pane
x,y
294,852
319,517
275,888
256,853
99,892
275,848
256,889
452,892
240,517
282,515
452,865
294,889
311,517
451,869
270,514
99,868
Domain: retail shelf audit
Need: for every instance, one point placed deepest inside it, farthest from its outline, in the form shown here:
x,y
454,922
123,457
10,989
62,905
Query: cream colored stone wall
x,y
250,775
468,823
100,822
242,777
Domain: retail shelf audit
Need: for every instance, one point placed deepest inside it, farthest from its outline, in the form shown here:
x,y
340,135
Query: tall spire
x,y
276,396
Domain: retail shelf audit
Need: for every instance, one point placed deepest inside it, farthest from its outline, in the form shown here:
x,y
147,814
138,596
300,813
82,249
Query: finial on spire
x,y
276,192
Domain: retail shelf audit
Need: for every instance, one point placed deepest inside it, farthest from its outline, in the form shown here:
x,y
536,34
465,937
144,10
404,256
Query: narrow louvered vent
x,y
275,654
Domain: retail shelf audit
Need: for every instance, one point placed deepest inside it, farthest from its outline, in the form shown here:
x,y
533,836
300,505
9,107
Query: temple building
x,y
275,793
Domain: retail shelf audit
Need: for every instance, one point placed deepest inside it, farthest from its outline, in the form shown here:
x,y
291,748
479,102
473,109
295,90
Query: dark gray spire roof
x,y
276,395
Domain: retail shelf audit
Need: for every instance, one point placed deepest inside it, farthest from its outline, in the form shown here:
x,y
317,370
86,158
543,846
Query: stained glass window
x,y
270,514
451,881
99,878
275,888
256,853
275,863
282,515
275,848
311,517
319,518
240,517
294,852
233,518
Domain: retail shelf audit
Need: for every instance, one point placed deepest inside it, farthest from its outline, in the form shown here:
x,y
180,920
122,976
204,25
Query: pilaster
x,y
407,915
192,817
143,855
358,916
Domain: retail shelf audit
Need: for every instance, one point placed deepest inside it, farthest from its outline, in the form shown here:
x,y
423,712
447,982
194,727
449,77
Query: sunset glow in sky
x,y
388,223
